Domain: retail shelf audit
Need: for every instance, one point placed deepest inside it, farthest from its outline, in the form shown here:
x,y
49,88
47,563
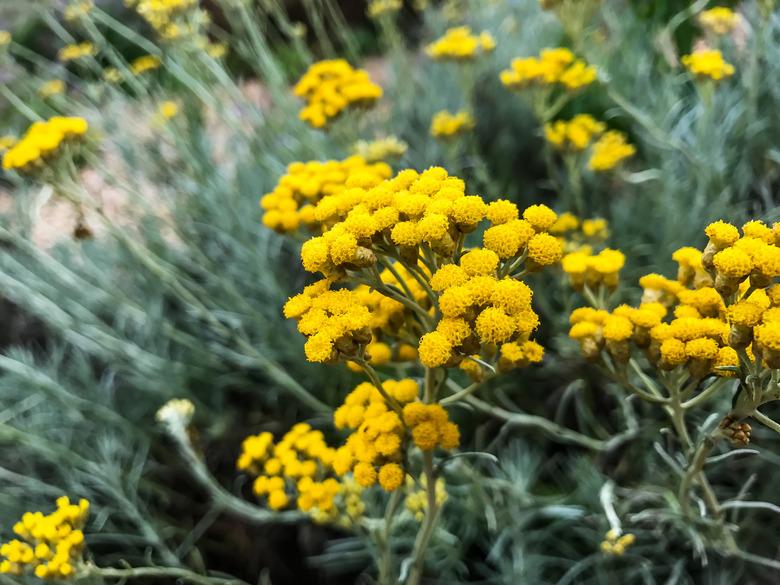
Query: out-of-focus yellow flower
x,y
575,134
719,20
708,64
49,546
168,109
7,141
552,67
459,44
216,50
76,52
609,151
5,38
145,63
447,125
112,75
78,9
377,8
41,141
329,87
51,88
381,149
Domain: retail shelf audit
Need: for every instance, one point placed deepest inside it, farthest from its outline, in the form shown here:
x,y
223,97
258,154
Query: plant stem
x,y
158,572
429,523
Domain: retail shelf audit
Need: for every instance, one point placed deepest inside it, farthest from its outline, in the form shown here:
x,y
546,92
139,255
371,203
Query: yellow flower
x,y
78,9
382,149
552,67
76,52
377,8
329,87
5,38
43,140
448,125
708,64
145,63
544,249
48,545
609,151
575,134
391,476
719,20
168,109
459,44
435,349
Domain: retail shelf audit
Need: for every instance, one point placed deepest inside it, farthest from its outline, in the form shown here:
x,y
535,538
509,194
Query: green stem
x,y
182,574
429,523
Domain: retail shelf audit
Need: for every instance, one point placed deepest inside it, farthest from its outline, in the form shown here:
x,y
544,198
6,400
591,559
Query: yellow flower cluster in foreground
x,y
708,64
49,546
75,52
719,20
292,201
448,125
329,87
478,305
553,67
721,306
373,452
575,134
42,141
460,44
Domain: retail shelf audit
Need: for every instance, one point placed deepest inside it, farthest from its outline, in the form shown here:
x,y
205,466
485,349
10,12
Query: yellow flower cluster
x,y
615,544
377,8
335,322
483,308
719,20
162,13
580,235
373,452
609,151
295,196
553,67
460,44
51,88
575,134
448,125
145,63
50,546
417,499
722,302
297,466
78,9
708,64
329,87
382,149
75,52
41,141
586,269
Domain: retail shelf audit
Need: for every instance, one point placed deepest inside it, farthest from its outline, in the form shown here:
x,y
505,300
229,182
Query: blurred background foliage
x,y
181,296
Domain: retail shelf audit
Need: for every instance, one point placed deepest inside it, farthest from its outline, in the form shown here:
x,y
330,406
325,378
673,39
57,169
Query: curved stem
x,y
222,498
553,430
185,575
